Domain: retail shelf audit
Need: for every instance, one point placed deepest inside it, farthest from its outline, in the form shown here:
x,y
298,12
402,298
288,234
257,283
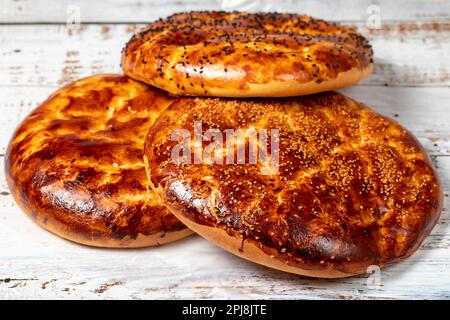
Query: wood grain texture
x,y
120,11
411,55
404,54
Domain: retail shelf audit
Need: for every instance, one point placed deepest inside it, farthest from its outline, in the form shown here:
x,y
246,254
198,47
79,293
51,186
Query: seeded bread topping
x,y
237,54
353,188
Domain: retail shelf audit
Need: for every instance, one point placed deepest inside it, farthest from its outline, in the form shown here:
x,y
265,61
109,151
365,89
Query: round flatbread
x,y
350,189
75,165
237,54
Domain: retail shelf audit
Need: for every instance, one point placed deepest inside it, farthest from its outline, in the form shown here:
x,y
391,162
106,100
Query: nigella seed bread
x,y
238,54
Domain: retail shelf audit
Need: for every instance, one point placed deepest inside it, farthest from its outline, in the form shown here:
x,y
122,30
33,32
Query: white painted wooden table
x,y
39,53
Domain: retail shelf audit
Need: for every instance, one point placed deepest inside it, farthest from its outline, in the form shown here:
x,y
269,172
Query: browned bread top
x,y
237,54
75,164
352,189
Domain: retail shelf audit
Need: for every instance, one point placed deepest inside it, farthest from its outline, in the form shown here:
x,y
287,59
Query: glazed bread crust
x,y
75,165
237,54
353,188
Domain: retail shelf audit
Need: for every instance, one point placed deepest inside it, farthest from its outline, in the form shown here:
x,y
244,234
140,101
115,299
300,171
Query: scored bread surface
x,y
353,188
75,165
237,54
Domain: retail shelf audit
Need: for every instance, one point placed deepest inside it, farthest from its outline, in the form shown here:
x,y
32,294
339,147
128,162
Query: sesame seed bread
x,y
75,165
353,188
237,54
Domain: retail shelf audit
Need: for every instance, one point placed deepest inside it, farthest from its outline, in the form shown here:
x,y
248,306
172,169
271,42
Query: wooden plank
x,y
51,55
27,11
37,264
410,54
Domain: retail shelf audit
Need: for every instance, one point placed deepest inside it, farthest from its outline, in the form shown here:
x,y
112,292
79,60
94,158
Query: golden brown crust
x,y
251,250
237,54
75,165
353,188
